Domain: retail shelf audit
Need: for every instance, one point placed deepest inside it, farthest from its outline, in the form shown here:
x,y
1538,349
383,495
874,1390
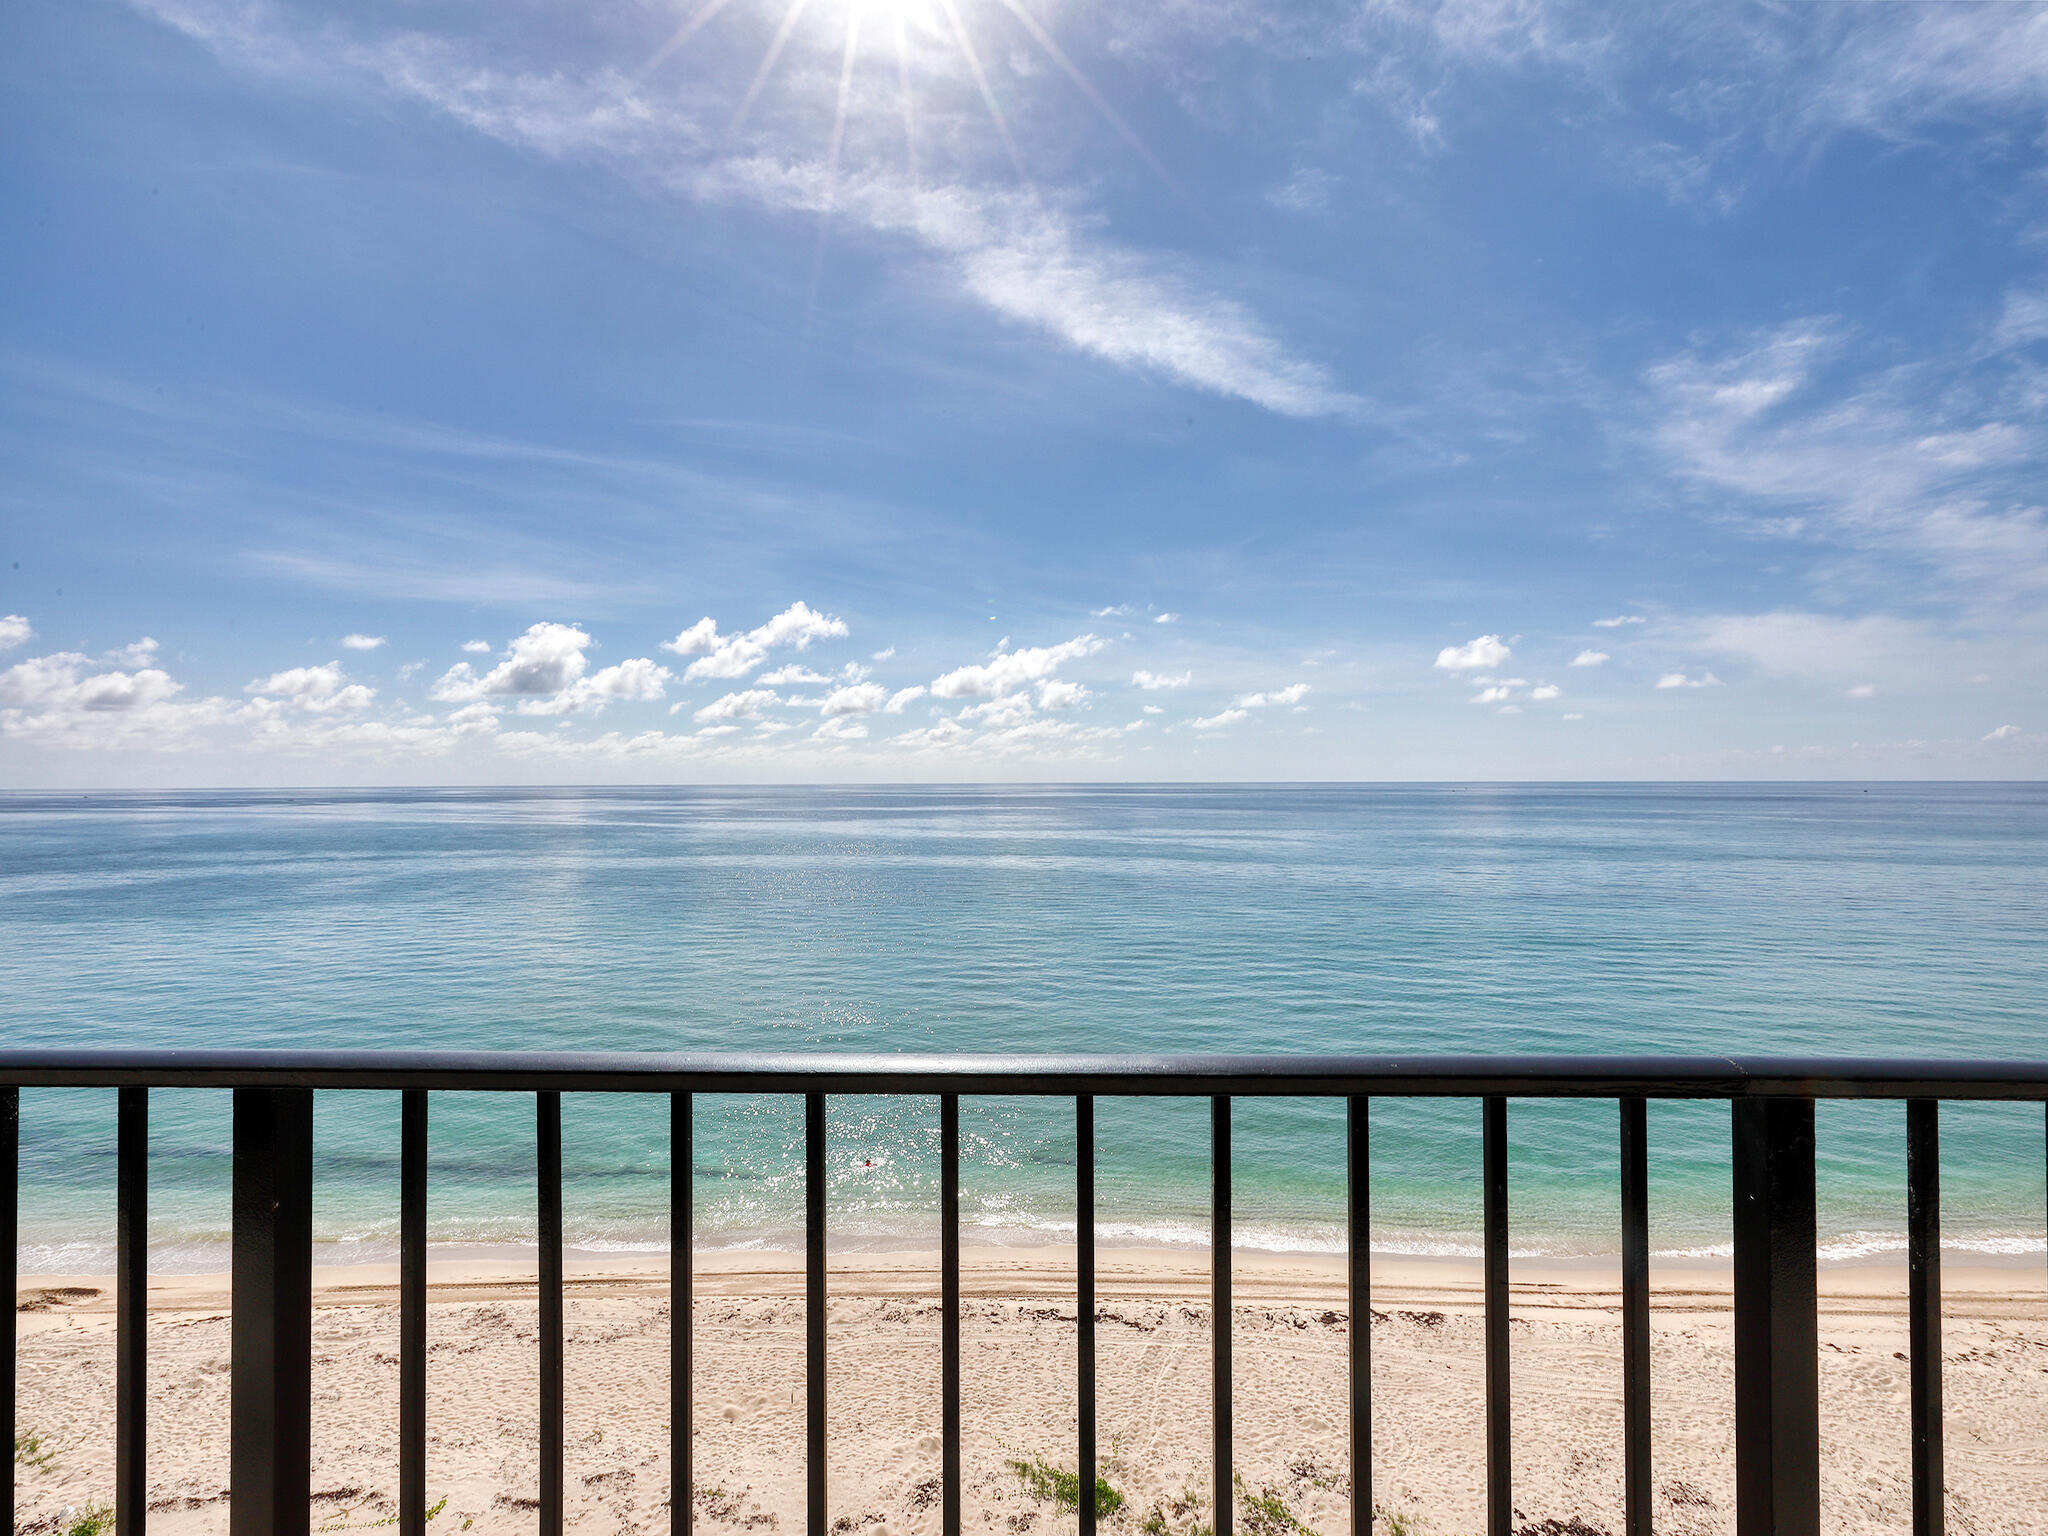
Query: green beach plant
x,y
32,1449
341,1522
1266,1513
1046,1481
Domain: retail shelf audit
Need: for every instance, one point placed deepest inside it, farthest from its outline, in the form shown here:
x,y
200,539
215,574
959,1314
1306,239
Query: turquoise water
x,y
1811,919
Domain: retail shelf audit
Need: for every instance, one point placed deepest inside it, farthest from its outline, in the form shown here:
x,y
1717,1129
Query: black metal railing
x,y
1777,1427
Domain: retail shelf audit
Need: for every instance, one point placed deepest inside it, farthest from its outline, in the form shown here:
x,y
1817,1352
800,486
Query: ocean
x,y
1802,919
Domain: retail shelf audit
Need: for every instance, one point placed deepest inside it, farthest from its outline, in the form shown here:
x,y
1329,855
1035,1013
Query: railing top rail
x,y
1664,1077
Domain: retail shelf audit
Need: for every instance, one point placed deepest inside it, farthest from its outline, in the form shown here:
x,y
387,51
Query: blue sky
x,y
422,392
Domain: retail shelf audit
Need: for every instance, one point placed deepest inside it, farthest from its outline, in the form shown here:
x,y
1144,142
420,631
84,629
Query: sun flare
x,y
900,43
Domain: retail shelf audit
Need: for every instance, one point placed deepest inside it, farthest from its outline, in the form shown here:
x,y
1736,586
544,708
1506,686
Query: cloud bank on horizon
x,y
1000,388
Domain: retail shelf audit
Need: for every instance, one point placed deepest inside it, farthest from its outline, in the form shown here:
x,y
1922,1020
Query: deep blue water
x,y
1888,919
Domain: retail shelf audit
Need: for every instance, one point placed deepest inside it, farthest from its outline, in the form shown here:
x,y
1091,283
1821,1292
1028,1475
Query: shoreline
x,y
210,1255
1048,1270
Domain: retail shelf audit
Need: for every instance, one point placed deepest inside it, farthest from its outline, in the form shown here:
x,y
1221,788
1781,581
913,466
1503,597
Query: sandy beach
x,y
1291,1328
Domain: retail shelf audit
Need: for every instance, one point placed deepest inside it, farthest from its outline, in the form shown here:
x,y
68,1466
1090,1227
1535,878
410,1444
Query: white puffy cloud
x,y
2002,733
1680,680
473,720
942,734
544,660
840,730
884,654
1475,655
737,654
734,656
14,630
858,699
698,640
59,700
1545,692
317,690
138,653
1153,681
998,713
782,677
477,647
1862,690
1056,694
1591,658
1618,620
1166,618
54,681
1293,693
1010,670
1217,721
1498,693
361,642
545,670
638,679
738,706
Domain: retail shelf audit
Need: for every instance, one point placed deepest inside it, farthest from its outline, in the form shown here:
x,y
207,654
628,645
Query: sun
x,y
880,33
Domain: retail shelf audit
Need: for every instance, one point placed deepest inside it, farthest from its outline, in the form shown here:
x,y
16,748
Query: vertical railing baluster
x,y
1358,1252
1635,1316
1923,1262
949,1314
814,1313
548,1158
1219,1308
1084,1301
1777,1320
271,1376
682,1312
131,1299
412,1312
10,1236
1500,1478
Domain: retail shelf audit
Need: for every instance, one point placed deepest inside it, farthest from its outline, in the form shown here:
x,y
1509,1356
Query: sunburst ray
x,y
909,104
683,34
1086,87
775,46
988,97
846,58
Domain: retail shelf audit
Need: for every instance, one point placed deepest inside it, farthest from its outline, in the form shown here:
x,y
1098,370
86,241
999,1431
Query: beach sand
x,y
1018,1396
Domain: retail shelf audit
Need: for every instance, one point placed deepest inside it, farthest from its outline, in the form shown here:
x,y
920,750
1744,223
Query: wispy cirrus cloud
x,y
1032,256
1936,461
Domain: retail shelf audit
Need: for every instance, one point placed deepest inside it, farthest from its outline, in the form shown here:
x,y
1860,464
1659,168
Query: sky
x,y
413,392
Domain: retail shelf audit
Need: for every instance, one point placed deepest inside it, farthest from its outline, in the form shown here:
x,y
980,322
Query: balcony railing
x,y
1777,1421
